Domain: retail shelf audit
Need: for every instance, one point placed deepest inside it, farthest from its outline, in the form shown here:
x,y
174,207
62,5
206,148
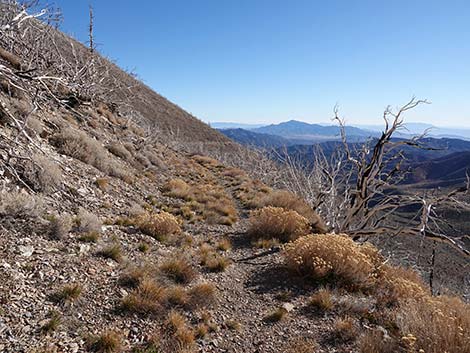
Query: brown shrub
x,y
53,323
178,269
102,183
160,226
106,342
275,222
290,201
224,244
149,298
328,255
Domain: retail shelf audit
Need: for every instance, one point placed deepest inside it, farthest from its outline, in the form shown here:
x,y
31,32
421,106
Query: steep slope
x,y
114,239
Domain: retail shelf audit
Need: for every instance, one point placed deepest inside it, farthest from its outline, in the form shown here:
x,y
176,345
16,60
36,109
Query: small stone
x,y
26,250
288,307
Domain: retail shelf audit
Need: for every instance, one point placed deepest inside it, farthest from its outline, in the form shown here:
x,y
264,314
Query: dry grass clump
x,y
176,188
179,334
60,226
290,201
102,183
19,204
201,295
106,342
435,324
277,223
374,341
301,345
149,298
265,243
276,315
42,174
113,251
133,276
53,323
88,222
213,261
68,293
344,330
209,200
160,226
224,244
338,257
79,145
322,300
178,269
89,237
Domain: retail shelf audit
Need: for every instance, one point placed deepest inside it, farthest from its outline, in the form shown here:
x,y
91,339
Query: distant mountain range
x,y
306,133
441,161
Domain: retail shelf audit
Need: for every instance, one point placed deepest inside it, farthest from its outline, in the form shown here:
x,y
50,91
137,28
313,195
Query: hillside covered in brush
x,y
121,230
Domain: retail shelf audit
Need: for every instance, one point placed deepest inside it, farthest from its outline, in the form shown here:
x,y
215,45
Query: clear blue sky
x,y
272,60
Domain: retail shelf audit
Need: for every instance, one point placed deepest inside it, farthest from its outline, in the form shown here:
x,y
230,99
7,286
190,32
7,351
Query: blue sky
x,y
266,61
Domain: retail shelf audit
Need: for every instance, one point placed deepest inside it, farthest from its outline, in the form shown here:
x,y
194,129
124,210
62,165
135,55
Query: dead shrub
x,y
88,222
276,315
120,151
328,255
77,144
290,201
160,226
19,204
10,58
278,223
41,174
178,269
60,226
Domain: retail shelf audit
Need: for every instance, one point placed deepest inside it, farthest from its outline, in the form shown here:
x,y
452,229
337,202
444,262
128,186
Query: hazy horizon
x,y
268,61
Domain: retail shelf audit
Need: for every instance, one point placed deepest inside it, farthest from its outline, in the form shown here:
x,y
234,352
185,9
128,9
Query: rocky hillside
x,y
115,236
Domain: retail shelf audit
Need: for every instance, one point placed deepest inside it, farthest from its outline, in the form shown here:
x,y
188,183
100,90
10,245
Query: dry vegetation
x,y
277,223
